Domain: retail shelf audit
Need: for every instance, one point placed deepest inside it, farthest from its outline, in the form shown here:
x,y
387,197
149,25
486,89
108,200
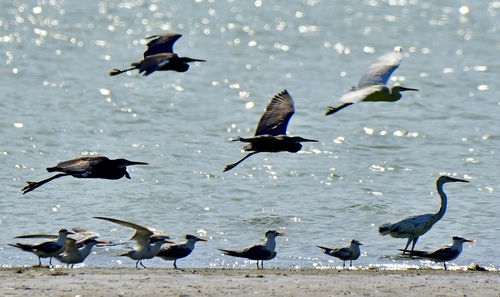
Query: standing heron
x,y
259,251
77,251
270,135
47,249
148,241
415,226
178,251
160,56
87,167
372,85
350,252
444,254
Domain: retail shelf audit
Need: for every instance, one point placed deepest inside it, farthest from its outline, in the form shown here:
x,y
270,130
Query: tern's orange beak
x,y
468,240
103,242
168,241
201,239
280,234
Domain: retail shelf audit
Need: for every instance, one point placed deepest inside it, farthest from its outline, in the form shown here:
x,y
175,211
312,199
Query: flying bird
x,y
47,249
78,250
270,135
350,252
161,43
259,251
87,167
177,251
415,226
148,241
372,85
444,254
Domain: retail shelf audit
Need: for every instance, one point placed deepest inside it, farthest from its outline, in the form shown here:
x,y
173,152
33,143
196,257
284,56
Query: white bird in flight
x,y
415,226
372,85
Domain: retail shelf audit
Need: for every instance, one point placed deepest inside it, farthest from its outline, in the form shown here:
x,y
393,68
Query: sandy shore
x,y
243,282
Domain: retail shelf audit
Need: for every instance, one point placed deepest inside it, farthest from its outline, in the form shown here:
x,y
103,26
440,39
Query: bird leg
x,y
50,261
118,71
414,242
444,264
39,262
140,262
137,264
350,263
33,185
407,244
332,110
175,266
231,166
257,264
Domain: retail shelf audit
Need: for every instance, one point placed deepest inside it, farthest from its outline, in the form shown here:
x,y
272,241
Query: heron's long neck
x,y
271,243
444,201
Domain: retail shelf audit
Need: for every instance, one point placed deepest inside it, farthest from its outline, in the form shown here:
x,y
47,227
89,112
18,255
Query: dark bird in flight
x,y
270,135
87,167
181,250
259,252
160,57
350,252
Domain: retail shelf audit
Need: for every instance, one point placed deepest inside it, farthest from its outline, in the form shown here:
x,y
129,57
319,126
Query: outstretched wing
x,y
163,43
151,63
278,112
380,71
141,234
81,166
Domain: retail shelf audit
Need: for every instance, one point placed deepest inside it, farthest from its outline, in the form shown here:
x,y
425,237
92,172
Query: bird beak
x,y
280,234
103,242
194,60
136,163
201,239
69,232
307,140
168,241
458,180
360,243
468,240
407,89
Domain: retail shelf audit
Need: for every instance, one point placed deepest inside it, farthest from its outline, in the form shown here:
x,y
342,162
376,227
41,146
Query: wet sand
x,y
244,282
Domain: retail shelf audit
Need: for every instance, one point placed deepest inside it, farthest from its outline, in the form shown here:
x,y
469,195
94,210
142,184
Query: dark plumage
x,y
87,167
161,43
178,251
350,253
270,135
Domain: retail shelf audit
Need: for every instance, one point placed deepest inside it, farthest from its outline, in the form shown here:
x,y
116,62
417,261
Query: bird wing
x,y
257,252
362,94
278,112
341,253
85,233
151,63
414,225
380,71
172,252
141,235
48,236
71,246
81,166
163,43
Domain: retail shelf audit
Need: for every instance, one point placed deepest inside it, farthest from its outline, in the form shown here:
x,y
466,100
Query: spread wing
x,y
151,63
380,71
278,112
163,43
141,234
80,166
48,236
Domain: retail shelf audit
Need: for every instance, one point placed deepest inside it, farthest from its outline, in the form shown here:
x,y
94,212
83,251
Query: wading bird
x,y
87,167
270,135
77,251
350,252
259,251
372,85
177,251
161,43
148,241
47,249
415,226
444,254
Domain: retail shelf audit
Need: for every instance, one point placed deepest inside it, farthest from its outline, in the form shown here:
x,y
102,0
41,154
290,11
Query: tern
x,y
148,241
372,85
444,254
77,251
415,226
87,167
47,249
270,135
177,251
259,251
350,252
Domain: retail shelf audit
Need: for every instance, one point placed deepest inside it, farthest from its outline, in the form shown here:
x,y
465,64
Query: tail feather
x,y
231,253
24,247
325,249
415,253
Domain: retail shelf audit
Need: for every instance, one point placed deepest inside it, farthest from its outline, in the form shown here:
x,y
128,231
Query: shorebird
x,y
372,85
47,249
177,251
160,57
77,251
259,251
415,226
350,252
270,135
444,254
87,167
148,241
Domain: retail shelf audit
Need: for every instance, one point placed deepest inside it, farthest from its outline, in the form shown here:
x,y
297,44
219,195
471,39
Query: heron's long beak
x,y
407,89
452,179
307,140
187,59
136,163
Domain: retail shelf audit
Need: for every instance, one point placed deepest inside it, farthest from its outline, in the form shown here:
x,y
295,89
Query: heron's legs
x,y
231,166
33,185
332,110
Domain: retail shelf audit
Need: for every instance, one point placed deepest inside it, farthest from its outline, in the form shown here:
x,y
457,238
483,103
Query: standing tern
x,y
77,251
350,252
47,249
270,135
444,254
177,251
415,226
87,167
259,251
372,85
148,241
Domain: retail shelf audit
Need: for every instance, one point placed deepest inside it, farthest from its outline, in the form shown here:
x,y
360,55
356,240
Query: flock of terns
x,y
270,136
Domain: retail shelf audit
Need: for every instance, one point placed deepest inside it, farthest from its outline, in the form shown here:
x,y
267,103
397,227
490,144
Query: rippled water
x,y
375,162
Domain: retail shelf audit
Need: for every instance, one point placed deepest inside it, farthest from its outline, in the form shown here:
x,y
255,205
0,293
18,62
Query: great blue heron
x,y
87,167
444,254
178,251
350,252
270,135
415,226
259,252
148,241
372,85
